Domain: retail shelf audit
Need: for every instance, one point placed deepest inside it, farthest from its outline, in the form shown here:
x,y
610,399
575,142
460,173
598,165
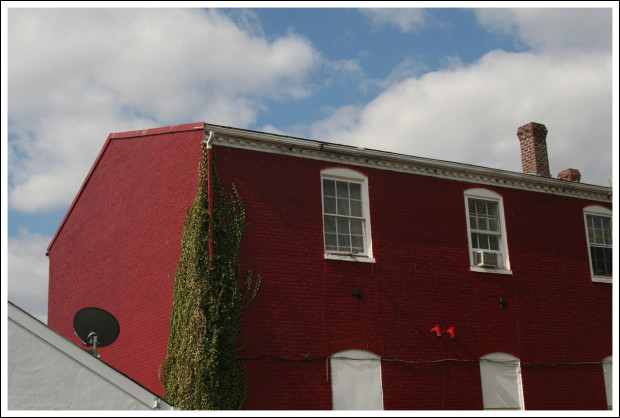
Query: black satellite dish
x,y
96,328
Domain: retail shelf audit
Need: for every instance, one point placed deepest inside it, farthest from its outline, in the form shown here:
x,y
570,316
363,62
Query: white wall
x,y
48,372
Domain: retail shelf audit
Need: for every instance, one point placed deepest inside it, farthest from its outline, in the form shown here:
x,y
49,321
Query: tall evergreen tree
x,y
202,369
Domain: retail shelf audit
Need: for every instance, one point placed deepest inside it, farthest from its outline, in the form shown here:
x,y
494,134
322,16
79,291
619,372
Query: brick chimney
x,y
533,139
570,174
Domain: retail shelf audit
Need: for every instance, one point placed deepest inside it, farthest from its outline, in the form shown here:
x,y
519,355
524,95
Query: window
x,y
356,381
346,222
486,231
500,374
608,379
598,232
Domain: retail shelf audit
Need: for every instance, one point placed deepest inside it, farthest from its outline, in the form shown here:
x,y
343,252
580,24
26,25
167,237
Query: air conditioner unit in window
x,y
486,259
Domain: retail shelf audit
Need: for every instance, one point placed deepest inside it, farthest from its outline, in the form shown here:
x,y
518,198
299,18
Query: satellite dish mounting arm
x,y
93,340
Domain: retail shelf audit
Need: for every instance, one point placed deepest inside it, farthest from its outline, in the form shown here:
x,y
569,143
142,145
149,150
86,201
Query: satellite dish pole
x,y
92,340
96,328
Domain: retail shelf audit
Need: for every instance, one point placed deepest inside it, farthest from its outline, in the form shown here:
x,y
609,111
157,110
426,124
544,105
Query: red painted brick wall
x,y
120,245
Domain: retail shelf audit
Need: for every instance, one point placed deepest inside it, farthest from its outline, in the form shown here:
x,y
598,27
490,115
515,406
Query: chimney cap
x,y
570,174
532,128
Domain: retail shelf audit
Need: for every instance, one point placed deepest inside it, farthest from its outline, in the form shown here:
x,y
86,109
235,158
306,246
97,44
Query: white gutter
x,y
208,140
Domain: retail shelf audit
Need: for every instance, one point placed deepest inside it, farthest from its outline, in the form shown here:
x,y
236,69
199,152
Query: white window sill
x,y
602,279
354,258
491,270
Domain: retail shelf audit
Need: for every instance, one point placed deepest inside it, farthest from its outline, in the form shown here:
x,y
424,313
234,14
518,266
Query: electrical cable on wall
x,y
511,363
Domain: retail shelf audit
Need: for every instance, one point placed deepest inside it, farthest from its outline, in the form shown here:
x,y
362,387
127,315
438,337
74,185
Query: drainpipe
x,y
209,136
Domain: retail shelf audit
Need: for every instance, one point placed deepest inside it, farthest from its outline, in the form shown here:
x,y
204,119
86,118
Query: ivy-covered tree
x,y
202,369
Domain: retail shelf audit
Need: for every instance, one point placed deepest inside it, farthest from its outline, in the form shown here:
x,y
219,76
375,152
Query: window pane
x,y
607,236
331,242
344,243
342,189
357,243
493,225
330,224
343,225
356,191
591,237
590,222
597,256
473,222
482,224
343,207
482,207
356,208
356,227
606,224
598,222
492,206
598,235
474,240
493,243
483,242
598,264
472,206
608,268
329,188
329,204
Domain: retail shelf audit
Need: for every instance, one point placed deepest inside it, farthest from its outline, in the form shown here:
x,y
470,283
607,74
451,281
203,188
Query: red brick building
x,y
417,283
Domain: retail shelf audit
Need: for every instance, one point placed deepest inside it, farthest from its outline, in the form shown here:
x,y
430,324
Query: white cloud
x,y
340,121
85,72
554,29
347,66
406,19
407,68
471,114
28,272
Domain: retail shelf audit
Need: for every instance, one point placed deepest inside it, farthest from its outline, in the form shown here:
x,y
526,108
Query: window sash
x,y
601,258
600,243
488,242
344,234
599,230
484,216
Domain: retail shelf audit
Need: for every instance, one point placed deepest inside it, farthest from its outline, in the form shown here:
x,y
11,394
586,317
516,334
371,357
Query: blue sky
x,y
446,83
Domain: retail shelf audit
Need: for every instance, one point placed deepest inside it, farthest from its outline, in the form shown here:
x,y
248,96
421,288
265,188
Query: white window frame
x,y
351,176
596,210
495,381
485,194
